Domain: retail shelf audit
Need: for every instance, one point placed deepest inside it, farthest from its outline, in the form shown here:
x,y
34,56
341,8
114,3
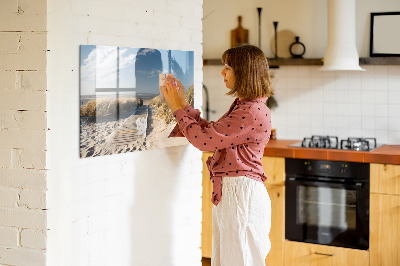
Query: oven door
x,y
327,213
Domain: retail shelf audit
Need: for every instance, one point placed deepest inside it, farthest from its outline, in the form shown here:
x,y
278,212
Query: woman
x,y
242,209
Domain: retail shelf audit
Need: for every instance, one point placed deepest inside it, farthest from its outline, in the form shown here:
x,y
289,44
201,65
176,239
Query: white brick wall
x,y
23,132
140,208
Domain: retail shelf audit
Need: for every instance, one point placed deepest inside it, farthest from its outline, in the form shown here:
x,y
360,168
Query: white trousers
x,y
241,223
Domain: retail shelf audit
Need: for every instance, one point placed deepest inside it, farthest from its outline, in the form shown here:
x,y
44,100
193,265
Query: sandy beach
x,y
113,137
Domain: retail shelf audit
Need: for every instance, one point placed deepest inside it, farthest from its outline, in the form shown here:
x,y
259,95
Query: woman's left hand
x,y
171,96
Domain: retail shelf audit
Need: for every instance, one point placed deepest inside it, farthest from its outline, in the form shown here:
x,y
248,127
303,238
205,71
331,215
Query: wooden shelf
x,y
380,61
274,63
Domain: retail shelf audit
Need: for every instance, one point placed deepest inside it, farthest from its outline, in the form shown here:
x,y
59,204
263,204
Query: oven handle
x,y
357,185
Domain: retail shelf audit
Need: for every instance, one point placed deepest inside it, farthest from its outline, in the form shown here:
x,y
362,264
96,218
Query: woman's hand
x,y
173,95
181,91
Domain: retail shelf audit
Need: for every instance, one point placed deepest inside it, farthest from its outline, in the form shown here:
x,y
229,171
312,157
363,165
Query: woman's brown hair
x,y
250,66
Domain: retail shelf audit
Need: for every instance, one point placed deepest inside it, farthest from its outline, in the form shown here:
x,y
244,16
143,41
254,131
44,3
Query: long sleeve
x,y
193,113
231,130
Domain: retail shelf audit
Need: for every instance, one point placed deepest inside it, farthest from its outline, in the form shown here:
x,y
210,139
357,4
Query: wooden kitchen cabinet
x,y
277,233
274,168
385,178
385,215
305,254
206,225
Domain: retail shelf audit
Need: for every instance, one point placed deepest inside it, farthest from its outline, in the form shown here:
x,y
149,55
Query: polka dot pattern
x,y
238,139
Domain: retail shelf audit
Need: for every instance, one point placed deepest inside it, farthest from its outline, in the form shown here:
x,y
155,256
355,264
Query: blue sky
x,y
98,66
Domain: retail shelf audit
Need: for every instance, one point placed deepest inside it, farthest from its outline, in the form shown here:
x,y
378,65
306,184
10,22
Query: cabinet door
x,y
274,168
277,233
384,230
385,178
304,254
206,225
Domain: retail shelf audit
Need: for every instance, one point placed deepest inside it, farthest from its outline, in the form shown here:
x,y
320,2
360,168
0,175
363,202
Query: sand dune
x,y
148,128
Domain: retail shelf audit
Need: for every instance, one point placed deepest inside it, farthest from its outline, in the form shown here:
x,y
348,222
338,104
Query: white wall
x,y
23,133
140,208
311,102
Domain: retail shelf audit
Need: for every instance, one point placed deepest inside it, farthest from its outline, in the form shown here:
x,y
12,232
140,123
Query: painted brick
x,y
33,199
7,80
33,159
8,197
16,256
23,15
23,100
31,56
8,6
23,178
15,139
5,158
9,42
33,239
33,120
30,80
36,7
8,237
23,218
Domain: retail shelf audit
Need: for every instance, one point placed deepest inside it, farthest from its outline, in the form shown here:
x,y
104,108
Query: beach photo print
x,y
121,106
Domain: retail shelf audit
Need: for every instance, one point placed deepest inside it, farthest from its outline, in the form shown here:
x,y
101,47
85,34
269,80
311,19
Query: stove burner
x,y
358,144
328,142
332,142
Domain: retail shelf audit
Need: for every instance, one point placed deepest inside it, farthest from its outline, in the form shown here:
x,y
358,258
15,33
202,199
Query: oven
x,y
327,202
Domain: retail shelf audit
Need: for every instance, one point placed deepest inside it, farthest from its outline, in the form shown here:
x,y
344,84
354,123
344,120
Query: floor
x,y
206,261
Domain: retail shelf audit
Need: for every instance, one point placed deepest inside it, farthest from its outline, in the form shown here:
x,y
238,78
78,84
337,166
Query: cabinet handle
x,y
324,254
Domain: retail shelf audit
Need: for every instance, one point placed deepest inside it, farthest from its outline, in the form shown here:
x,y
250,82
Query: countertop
x,y
388,154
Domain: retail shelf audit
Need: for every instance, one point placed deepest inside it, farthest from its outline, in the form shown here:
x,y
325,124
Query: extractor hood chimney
x,y
341,51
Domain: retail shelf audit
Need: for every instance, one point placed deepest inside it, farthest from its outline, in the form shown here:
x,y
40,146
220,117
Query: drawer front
x,y
297,253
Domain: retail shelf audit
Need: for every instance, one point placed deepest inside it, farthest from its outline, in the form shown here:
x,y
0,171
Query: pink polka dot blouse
x,y
238,139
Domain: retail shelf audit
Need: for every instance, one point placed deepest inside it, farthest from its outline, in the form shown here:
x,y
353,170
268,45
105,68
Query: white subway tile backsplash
x,y
382,110
394,110
382,136
355,132
394,97
342,109
394,137
367,110
346,102
394,83
380,71
329,109
393,71
367,96
303,82
381,123
355,122
381,97
368,122
355,96
292,83
380,84
291,71
342,122
394,123
304,72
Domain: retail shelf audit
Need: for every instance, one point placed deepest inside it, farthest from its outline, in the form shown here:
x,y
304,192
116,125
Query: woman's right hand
x,y
181,91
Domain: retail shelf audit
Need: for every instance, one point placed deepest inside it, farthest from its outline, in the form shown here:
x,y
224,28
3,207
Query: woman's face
x,y
229,76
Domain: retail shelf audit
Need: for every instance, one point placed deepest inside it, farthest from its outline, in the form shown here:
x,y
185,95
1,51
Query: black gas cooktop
x,y
332,142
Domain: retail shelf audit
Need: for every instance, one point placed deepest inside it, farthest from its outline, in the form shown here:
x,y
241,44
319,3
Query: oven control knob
x,y
308,166
343,168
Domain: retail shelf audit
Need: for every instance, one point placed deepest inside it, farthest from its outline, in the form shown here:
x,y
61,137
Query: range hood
x,y
341,51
